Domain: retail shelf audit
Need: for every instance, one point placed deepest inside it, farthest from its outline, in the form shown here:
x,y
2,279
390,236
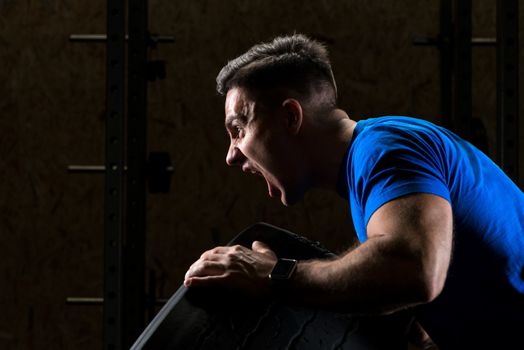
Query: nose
x,y
234,156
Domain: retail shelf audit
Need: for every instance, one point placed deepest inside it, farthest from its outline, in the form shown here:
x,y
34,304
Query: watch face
x,y
283,269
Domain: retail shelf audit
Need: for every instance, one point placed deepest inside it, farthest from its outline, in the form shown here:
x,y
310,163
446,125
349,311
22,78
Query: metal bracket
x,y
153,39
89,301
158,171
437,41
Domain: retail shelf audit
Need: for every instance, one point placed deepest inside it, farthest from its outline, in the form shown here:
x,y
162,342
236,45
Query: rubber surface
x,y
219,319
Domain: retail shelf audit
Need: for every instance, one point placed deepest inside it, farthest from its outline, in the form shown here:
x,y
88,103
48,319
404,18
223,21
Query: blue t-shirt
x,y
390,157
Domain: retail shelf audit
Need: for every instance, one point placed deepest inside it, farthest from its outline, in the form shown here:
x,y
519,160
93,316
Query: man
x,y
441,226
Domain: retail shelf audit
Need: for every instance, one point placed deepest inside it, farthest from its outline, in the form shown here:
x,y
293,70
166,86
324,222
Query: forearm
x,y
380,276
404,262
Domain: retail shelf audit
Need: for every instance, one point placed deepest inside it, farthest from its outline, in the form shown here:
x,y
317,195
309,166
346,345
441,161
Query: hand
x,y
234,267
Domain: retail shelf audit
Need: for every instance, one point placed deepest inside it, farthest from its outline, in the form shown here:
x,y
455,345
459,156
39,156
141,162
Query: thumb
x,y
261,247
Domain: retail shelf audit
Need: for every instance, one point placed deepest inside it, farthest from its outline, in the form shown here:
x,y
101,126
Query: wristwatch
x,y
283,270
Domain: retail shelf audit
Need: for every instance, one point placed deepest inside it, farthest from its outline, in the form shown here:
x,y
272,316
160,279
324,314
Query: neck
x,y
327,145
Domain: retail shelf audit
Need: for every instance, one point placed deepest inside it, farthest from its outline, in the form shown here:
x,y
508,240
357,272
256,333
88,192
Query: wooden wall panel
x,y
52,111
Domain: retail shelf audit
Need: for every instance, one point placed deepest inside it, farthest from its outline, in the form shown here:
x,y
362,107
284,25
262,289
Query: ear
x,y
293,115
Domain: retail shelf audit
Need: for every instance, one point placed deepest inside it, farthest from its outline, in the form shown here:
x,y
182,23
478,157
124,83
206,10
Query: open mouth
x,y
271,189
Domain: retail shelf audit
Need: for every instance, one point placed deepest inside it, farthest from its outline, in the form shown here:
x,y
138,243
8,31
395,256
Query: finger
x,y
263,248
205,281
215,251
205,268
212,256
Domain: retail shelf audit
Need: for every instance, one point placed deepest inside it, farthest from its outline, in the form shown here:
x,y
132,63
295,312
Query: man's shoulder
x,y
382,133
396,125
376,135
399,145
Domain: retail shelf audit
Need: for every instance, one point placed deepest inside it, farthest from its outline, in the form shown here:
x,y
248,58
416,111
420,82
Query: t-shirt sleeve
x,y
389,165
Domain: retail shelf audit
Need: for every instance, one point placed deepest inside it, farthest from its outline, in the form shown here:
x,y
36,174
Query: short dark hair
x,y
295,61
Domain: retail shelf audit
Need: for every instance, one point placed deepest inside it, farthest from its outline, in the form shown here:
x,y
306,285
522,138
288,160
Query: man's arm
x,y
404,262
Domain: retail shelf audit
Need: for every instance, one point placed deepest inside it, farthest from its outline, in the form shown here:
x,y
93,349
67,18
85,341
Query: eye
x,y
237,131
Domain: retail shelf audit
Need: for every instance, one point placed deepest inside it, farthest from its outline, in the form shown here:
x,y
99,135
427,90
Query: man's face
x,y
261,144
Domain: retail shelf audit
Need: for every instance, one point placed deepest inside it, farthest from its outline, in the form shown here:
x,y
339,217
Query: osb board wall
x,y
52,115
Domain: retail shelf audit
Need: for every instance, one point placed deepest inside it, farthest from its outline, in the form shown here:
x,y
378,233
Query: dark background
x,y
52,115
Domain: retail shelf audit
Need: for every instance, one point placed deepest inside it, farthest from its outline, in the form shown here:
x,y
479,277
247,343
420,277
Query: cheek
x,y
268,151
248,147
255,146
